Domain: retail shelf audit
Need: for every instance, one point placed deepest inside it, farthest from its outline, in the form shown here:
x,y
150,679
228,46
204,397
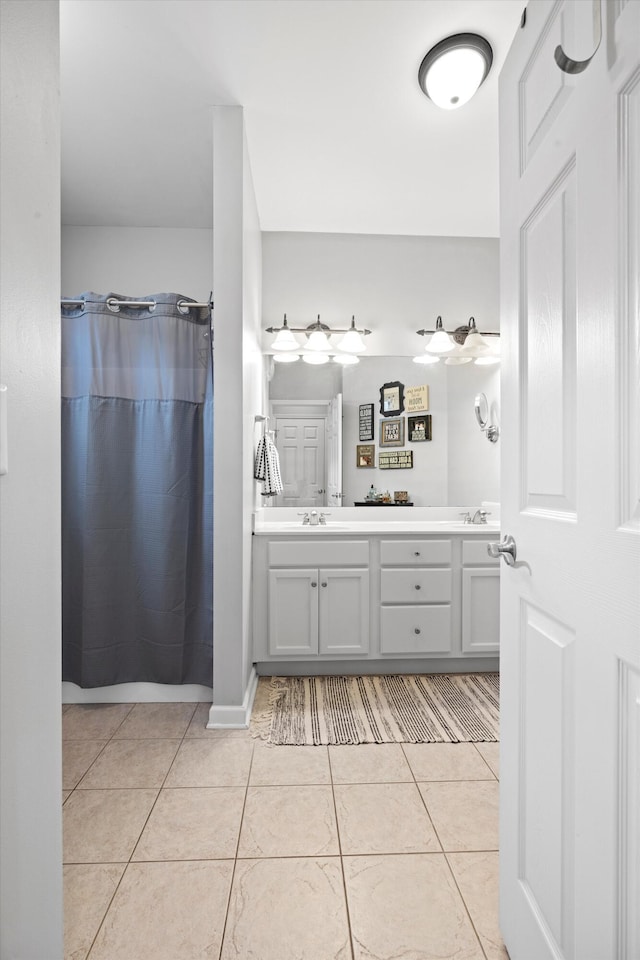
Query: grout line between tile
x,y
464,902
344,879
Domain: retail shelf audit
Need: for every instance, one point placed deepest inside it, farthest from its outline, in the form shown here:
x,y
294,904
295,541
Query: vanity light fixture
x,y
315,358
346,359
285,340
462,345
453,70
286,357
352,342
317,338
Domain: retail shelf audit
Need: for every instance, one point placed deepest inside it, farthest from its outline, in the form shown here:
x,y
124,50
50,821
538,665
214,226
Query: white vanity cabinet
x,y
480,599
415,597
325,601
317,605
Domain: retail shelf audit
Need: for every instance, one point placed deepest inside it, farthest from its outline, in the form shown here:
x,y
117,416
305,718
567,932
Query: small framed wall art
x,y
416,398
365,411
419,428
392,433
391,398
365,455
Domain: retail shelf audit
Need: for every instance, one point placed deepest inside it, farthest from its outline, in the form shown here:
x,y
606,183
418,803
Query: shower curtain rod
x,y
113,302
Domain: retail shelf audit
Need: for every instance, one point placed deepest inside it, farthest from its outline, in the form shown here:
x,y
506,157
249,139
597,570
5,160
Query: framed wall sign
x,y
391,398
398,460
365,411
365,455
419,428
392,433
416,398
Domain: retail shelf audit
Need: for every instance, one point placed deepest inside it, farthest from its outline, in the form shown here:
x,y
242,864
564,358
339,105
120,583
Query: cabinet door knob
x,y
417,586
417,630
313,583
417,553
324,584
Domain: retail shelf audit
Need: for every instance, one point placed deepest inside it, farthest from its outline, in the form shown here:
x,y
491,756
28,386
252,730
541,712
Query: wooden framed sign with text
x,y
365,411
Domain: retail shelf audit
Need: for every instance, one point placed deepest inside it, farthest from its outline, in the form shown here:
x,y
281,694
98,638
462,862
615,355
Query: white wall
x,y
137,261
393,285
238,395
30,729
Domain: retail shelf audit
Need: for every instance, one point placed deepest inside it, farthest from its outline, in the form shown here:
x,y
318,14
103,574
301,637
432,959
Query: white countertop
x,y
366,527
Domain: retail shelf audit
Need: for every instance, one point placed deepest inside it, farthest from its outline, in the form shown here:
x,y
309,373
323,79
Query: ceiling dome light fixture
x,y
454,69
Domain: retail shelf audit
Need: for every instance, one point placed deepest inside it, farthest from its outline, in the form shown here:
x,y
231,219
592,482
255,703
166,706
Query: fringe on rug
x,y
262,715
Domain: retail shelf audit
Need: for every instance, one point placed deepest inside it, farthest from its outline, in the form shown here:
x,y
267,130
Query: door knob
x,y
505,549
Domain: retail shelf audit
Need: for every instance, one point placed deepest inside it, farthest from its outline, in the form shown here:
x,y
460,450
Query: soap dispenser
x,y
372,493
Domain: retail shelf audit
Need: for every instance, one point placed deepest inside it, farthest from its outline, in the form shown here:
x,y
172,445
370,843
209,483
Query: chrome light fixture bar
x,y
460,346
317,335
453,70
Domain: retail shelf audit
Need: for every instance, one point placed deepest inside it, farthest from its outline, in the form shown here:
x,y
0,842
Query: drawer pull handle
x,y
417,630
417,553
313,583
418,586
324,584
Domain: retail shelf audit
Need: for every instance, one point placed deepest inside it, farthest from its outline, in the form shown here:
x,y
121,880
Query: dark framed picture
x,y
419,428
391,398
365,411
365,455
392,433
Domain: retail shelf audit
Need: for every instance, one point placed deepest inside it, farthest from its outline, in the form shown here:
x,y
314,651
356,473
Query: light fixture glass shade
x,y
352,341
285,340
440,341
453,69
286,357
315,358
426,358
456,361
475,346
346,358
487,361
318,341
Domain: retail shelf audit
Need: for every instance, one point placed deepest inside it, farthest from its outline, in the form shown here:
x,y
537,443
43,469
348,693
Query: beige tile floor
x,y
182,843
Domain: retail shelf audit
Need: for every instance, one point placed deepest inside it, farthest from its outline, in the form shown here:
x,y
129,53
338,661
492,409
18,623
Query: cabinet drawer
x,y
416,552
474,552
318,553
425,629
415,586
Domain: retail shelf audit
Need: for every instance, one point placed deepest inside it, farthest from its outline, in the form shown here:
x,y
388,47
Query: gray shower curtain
x,y
137,492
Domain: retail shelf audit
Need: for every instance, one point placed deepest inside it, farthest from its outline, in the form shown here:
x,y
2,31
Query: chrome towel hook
x,y
566,64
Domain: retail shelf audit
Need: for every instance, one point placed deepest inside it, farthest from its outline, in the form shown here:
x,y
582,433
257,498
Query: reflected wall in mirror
x,y
316,412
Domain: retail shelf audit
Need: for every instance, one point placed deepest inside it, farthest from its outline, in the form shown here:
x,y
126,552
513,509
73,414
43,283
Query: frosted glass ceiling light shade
x,y
352,342
346,359
487,361
454,69
285,340
315,358
440,342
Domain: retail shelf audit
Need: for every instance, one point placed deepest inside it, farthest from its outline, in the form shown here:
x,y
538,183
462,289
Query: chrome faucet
x,y
480,516
314,519
323,518
466,517
305,518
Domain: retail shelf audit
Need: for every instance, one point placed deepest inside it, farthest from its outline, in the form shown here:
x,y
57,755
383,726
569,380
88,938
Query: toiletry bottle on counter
x,y
372,493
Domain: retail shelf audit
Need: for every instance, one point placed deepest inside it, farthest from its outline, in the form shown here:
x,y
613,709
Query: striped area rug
x,y
433,708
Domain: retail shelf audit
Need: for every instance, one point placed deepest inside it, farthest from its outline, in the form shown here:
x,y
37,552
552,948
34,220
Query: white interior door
x,y
334,452
301,446
570,607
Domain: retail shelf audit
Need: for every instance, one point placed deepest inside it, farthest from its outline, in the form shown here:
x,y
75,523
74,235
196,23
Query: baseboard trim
x,y
139,692
232,716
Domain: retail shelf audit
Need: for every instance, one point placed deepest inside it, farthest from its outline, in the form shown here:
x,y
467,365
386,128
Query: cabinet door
x,y
344,611
480,610
293,612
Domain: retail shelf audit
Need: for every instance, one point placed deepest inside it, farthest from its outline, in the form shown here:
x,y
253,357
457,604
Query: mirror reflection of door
x,y
300,442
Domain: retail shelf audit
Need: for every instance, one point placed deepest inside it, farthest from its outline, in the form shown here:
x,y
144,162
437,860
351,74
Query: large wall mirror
x,y
316,417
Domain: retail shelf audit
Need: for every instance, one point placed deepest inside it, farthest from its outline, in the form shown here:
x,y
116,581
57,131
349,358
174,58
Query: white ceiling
x,y
340,137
